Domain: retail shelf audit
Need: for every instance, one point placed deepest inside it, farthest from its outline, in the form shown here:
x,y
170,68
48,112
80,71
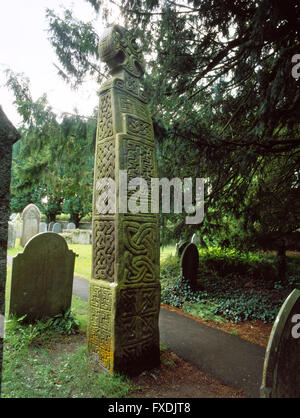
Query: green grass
x,y
83,263
17,249
40,362
42,372
79,308
166,252
201,310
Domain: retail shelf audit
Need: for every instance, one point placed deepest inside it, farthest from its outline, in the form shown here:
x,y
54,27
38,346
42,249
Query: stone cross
x,y
31,223
124,295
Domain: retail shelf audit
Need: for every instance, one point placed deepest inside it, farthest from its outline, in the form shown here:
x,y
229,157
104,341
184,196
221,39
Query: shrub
x,y
231,262
224,274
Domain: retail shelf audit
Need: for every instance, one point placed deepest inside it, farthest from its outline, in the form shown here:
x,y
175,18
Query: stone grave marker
x,y
81,236
12,234
124,295
181,247
281,372
42,278
50,227
18,225
189,262
195,239
8,136
13,217
71,225
43,227
31,223
57,228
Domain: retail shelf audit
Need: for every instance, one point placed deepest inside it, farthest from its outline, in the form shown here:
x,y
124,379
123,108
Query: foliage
x,y
53,162
227,263
24,334
223,102
236,286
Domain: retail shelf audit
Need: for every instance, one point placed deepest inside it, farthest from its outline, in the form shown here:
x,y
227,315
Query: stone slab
x,y
281,373
42,277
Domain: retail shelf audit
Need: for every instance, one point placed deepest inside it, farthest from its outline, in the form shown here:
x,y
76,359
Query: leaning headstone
x,y
11,239
281,372
71,225
31,223
42,278
8,136
189,262
57,228
124,298
50,227
181,247
195,239
43,227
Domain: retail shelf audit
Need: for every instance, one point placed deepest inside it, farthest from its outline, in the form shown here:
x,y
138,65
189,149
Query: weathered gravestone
x,y
13,217
71,225
31,223
42,277
18,225
124,298
81,236
12,234
189,262
51,224
281,372
43,227
8,136
195,239
181,247
57,228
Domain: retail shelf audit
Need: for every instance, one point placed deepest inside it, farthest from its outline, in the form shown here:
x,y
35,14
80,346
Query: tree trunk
x,y
75,217
51,216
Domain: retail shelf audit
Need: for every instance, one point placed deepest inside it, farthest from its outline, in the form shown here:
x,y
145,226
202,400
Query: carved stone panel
x,y
124,291
104,250
100,335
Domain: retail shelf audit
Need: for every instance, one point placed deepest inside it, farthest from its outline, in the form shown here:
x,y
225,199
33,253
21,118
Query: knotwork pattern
x,y
140,241
104,250
105,121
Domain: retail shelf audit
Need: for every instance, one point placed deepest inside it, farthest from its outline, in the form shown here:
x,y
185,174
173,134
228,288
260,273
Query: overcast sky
x,y
24,48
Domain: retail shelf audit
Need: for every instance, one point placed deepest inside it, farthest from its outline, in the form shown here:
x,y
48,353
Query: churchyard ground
x,y
55,365
43,363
